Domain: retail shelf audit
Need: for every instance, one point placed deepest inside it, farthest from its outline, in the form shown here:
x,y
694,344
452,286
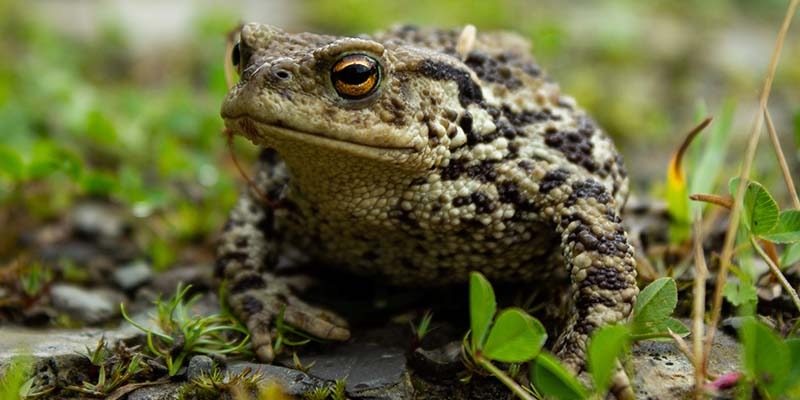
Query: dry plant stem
x,y
504,378
722,201
252,185
777,272
701,273
752,144
776,145
682,346
685,145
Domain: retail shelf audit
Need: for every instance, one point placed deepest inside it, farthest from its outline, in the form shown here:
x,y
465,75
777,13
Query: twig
x,y
701,273
752,144
777,272
776,145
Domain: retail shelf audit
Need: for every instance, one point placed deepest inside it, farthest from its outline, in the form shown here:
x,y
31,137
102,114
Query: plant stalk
x,y
776,145
777,272
699,297
504,378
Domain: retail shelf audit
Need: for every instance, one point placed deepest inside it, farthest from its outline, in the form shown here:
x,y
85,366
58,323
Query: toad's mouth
x,y
270,134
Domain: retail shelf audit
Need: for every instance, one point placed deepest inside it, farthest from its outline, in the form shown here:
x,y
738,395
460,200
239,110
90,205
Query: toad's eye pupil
x,y
355,76
236,55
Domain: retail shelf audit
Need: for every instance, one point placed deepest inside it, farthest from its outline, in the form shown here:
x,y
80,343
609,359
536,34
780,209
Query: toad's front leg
x,y
601,266
246,256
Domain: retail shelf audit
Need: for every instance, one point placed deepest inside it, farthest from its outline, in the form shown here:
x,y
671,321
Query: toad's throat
x,y
268,133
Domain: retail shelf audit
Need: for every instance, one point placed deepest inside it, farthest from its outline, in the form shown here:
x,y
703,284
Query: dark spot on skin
x,y
610,243
483,204
468,91
620,165
246,281
513,151
584,327
484,171
604,278
553,179
419,181
527,165
251,305
612,216
222,262
266,223
466,122
508,192
404,217
528,117
586,189
453,170
241,242
576,147
492,69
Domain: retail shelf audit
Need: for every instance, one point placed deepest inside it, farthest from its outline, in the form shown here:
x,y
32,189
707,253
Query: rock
x,y
369,370
98,220
199,365
199,276
92,306
160,392
293,382
663,372
132,275
441,362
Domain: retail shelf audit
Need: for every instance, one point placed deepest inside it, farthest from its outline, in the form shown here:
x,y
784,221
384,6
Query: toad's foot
x,y
260,308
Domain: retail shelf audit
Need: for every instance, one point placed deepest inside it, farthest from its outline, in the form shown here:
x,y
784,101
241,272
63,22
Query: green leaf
x,y
654,304
790,255
482,306
739,293
760,209
794,371
99,183
767,360
787,230
553,380
515,337
11,164
605,346
677,327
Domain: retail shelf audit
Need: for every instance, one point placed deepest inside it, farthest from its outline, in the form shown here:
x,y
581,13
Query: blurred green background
x,y
120,100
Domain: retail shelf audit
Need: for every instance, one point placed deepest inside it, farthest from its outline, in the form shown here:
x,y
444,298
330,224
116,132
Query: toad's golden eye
x,y
355,76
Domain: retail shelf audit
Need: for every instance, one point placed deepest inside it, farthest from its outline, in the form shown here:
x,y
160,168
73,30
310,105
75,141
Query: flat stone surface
x,y
160,392
56,343
92,306
293,382
366,367
663,372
